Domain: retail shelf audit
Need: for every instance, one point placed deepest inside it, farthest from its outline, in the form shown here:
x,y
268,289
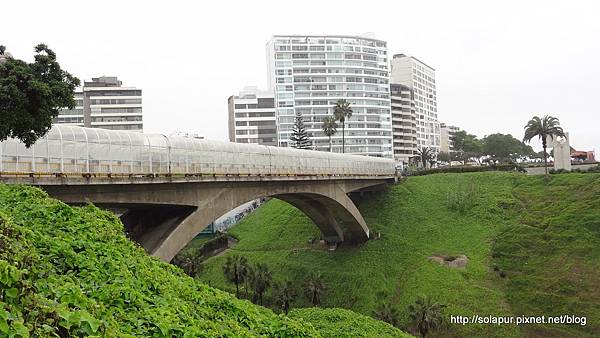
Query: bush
x,y
462,198
469,169
595,169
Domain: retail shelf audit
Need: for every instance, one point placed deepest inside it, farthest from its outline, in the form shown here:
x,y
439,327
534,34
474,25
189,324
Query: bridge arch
x,y
172,214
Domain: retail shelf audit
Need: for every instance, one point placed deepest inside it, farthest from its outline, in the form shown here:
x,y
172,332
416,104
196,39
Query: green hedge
x,y
468,169
595,169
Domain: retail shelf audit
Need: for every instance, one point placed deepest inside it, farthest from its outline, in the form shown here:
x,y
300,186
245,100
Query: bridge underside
x,y
164,217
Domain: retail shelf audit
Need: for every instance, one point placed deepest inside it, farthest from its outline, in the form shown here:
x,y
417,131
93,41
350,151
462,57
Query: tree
x,y
31,94
260,279
387,313
426,315
505,148
329,128
315,287
465,145
236,270
299,136
285,295
342,111
543,128
444,157
425,155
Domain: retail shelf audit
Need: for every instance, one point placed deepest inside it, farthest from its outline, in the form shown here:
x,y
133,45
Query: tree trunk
x,y
329,143
237,289
344,137
545,161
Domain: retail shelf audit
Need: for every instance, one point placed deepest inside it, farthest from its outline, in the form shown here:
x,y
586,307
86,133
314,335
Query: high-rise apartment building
x,y
105,103
404,123
252,117
309,74
412,72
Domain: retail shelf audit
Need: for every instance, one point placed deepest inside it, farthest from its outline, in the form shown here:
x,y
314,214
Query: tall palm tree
x,y
543,128
342,111
236,270
329,128
260,279
285,295
315,287
426,315
424,155
387,313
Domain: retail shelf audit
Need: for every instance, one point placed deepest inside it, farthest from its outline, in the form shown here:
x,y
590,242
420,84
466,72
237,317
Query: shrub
x,y
469,169
595,169
462,198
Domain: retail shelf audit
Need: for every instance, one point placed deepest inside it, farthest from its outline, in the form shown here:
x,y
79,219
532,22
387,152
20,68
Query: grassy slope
x,y
71,272
345,323
415,224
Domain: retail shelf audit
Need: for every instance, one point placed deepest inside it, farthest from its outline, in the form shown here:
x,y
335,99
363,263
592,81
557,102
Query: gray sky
x,y
496,64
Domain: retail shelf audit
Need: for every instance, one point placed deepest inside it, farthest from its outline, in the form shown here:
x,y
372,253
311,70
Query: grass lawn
x,y
544,237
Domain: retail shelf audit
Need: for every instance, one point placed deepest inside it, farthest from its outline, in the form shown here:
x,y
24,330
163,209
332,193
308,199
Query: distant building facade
x,y
446,132
252,117
104,103
404,122
411,72
308,74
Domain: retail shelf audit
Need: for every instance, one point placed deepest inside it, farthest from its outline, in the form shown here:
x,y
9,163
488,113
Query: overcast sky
x,y
496,64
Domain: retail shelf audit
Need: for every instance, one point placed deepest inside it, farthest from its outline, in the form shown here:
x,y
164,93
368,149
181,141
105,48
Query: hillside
x,y
533,249
68,271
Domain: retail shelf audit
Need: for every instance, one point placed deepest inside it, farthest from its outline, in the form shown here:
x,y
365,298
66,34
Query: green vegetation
x,y
533,246
68,271
31,94
469,169
345,323
427,315
543,128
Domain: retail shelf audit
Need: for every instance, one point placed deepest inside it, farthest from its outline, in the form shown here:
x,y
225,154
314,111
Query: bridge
x,y
170,188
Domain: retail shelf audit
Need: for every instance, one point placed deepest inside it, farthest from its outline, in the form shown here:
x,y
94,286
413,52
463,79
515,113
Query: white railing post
x,y
62,164
87,152
47,154
33,158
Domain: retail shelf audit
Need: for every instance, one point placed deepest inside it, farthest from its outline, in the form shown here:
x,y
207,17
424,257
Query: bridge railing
x,y
72,150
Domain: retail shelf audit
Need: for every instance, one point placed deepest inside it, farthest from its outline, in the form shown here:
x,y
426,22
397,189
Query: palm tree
x,y
285,295
329,128
315,287
543,128
426,315
387,313
260,279
425,155
236,270
342,111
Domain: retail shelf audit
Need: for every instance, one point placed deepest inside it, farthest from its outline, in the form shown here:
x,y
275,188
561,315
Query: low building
x,y
104,103
446,132
252,117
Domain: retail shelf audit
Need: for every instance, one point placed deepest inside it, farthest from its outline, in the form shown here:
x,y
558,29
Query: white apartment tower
x,y
252,117
309,74
411,72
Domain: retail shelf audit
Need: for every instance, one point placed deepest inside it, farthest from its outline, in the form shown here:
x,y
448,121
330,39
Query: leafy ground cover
x,y
68,271
344,323
533,249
